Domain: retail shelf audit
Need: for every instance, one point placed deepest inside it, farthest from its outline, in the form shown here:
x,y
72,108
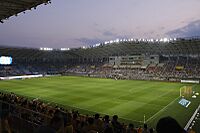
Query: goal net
x,y
186,91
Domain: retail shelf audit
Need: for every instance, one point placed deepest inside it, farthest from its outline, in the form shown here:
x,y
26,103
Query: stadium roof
x,y
9,8
181,47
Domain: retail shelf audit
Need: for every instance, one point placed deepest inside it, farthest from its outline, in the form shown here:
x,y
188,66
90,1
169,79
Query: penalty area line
x,y
153,116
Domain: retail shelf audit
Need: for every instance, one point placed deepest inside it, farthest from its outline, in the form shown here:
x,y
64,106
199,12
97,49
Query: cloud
x,y
105,35
190,30
92,41
89,41
111,35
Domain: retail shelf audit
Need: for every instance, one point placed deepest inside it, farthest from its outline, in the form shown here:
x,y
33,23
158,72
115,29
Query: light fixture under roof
x,y
165,40
46,49
65,49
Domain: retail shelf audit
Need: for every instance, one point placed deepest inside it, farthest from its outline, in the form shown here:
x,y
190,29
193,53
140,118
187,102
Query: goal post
x,y
186,91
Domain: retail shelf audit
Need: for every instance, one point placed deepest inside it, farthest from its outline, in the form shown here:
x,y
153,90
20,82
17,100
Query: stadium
x,y
137,81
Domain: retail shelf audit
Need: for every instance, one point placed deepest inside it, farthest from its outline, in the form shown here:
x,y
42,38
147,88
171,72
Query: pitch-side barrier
x,y
21,77
190,81
192,118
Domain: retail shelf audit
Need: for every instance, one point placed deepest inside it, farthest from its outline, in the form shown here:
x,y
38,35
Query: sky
x,y
76,23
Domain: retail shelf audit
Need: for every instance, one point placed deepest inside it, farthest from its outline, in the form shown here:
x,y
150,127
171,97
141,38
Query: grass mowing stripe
x,y
76,107
134,98
161,110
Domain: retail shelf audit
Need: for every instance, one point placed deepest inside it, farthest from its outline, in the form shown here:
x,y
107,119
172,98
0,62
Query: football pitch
x,y
132,100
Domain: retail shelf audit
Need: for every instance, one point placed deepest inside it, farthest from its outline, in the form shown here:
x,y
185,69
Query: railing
x,y
192,118
21,119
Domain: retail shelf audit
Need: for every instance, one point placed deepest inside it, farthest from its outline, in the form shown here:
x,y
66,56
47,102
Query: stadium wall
x,y
21,77
190,81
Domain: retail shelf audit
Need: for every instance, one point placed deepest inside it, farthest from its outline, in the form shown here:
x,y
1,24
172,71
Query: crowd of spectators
x,y
18,70
170,69
47,118
173,69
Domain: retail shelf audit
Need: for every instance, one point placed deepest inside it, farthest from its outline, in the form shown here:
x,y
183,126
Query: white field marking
x,y
118,100
153,116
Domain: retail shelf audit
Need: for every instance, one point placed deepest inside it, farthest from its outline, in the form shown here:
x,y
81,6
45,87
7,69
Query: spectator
x,y
116,125
4,124
139,130
90,127
169,125
131,129
145,129
191,131
106,121
56,126
69,126
98,123
75,122
108,130
151,130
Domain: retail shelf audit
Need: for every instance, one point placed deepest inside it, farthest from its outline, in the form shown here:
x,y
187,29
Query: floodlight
x,y
117,40
106,42
165,40
98,44
64,49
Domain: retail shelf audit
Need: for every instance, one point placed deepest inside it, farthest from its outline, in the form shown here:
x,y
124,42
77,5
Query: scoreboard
x,y
5,60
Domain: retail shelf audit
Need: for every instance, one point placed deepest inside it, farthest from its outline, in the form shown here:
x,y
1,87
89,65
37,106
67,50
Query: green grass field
x,y
129,99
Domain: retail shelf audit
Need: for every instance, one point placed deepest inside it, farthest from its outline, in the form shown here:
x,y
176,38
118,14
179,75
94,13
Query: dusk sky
x,y
74,23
